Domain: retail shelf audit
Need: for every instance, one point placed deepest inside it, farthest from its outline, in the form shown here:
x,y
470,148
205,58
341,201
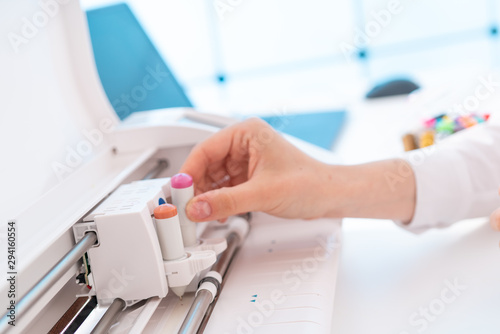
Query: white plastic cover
x,y
54,111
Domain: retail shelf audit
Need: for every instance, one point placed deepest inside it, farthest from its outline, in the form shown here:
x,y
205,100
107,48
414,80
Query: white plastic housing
x,y
181,272
128,262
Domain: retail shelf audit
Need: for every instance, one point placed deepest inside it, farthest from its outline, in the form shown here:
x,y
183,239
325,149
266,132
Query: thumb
x,y
495,220
223,202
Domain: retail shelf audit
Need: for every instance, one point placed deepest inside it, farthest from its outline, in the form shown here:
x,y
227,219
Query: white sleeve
x,y
458,178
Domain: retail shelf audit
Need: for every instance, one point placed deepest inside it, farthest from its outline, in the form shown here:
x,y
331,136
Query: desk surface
x,y
387,275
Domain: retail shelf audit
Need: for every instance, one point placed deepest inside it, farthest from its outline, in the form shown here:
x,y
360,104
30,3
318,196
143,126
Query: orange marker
x,y
169,232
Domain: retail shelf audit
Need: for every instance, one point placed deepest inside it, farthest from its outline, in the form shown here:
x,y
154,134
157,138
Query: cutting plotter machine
x,y
79,187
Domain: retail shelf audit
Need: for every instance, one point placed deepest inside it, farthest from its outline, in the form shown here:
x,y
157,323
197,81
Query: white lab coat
x,y
458,179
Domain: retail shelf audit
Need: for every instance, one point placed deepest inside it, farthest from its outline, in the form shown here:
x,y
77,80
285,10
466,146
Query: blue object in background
x,y
136,78
132,72
320,128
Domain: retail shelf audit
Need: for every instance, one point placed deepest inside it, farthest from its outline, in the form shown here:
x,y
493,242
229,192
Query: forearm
x,y
455,180
383,189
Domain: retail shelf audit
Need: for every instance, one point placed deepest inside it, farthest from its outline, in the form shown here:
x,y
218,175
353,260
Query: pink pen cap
x,y
181,181
182,192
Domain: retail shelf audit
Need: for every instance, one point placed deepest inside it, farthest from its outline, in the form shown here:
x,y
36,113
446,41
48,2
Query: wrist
x,y
333,191
364,191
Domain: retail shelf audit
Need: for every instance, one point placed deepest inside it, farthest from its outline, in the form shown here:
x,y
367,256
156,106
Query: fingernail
x,y
199,210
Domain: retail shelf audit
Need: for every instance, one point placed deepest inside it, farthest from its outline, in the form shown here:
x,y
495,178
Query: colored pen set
x,y
440,127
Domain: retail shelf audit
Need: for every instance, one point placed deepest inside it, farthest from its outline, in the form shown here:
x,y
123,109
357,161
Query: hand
x,y
250,167
495,219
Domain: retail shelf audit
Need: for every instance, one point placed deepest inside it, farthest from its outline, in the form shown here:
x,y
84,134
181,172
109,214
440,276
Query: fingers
x,y
228,158
495,220
231,143
214,149
224,202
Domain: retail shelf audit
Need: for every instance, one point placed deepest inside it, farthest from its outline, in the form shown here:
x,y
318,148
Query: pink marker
x,y
182,192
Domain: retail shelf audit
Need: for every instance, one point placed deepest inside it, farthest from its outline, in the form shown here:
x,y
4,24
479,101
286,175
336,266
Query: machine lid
x,y
55,115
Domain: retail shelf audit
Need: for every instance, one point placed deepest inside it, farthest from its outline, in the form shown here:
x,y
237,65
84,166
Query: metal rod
x,y
157,170
203,300
109,318
233,245
233,242
50,278
196,312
